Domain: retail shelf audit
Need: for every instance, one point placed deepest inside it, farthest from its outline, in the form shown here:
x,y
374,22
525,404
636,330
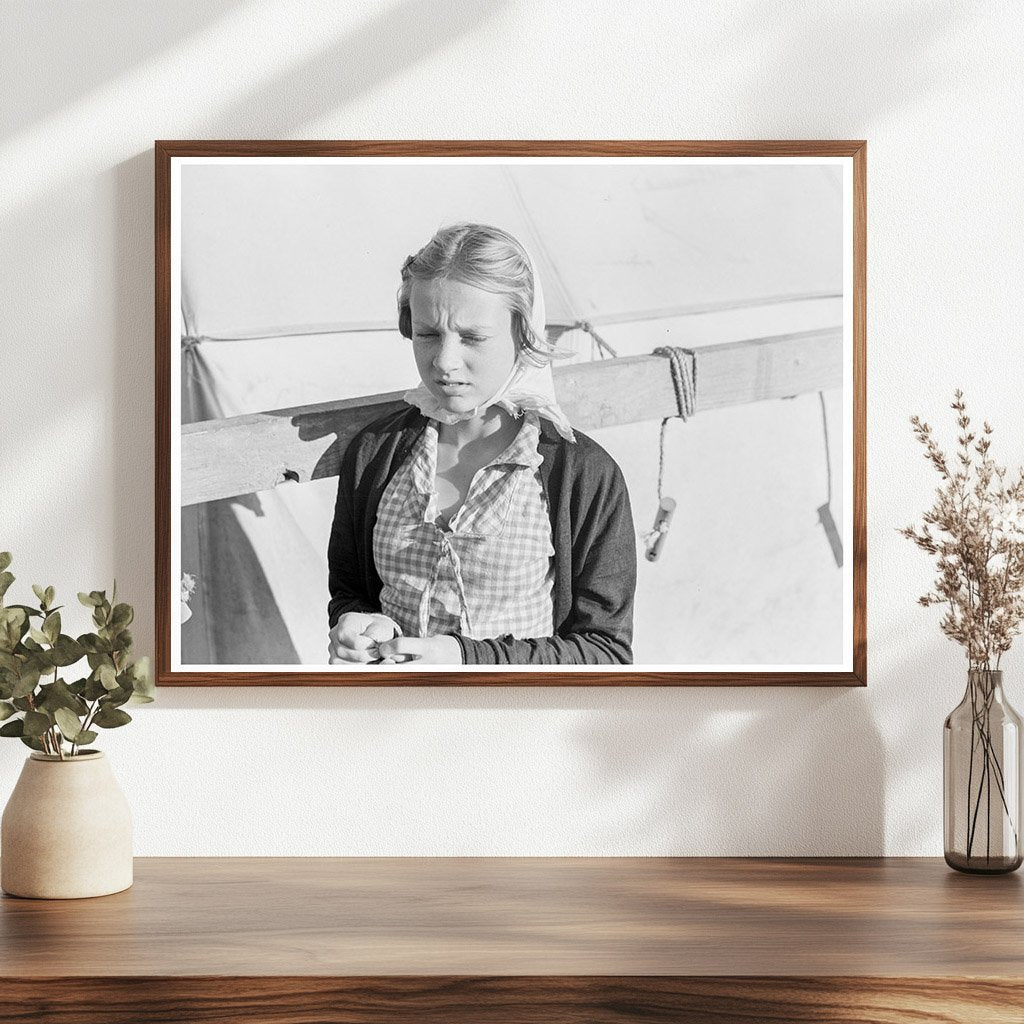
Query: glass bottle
x,y
981,776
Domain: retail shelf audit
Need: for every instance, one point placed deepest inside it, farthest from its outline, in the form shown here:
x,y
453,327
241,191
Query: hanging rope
x,y
825,511
599,348
684,382
596,341
683,366
828,450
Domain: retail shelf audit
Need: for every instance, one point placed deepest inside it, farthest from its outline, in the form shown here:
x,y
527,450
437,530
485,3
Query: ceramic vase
x,y
66,831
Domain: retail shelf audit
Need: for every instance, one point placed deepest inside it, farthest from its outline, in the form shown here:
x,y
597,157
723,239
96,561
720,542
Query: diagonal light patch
x,y
303,57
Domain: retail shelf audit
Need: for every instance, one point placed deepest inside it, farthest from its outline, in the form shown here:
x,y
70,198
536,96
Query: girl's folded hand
x,y
356,635
429,650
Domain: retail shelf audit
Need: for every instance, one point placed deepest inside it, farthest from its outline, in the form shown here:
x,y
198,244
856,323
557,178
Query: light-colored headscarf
x,y
527,388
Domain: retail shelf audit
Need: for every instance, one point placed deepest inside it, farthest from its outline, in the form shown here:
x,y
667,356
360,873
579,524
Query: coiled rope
x,y
683,363
683,366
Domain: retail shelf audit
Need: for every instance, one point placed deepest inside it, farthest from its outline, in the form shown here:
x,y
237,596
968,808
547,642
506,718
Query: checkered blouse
x,y
490,571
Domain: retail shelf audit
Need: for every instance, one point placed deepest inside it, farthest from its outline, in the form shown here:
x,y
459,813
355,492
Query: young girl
x,y
475,527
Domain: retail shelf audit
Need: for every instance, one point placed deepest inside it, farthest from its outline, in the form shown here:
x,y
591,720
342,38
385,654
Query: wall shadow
x,y
691,771
739,772
394,39
48,46
825,65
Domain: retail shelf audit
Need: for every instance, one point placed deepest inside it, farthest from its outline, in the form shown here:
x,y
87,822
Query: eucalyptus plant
x,y
46,712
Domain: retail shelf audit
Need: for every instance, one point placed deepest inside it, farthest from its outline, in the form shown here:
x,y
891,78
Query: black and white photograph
x,y
475,414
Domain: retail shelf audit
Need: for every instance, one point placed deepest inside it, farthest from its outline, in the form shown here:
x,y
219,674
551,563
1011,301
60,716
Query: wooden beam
x,y
243,454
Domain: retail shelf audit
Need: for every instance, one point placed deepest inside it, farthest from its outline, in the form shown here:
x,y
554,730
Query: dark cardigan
x,y
591,532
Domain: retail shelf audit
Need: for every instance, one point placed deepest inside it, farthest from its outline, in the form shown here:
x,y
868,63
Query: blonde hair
x,y
484,257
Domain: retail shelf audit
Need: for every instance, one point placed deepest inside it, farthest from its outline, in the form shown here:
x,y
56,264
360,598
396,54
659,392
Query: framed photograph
x,y
491,413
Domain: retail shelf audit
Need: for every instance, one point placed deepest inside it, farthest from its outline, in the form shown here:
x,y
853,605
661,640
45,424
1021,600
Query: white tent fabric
x,y
298,264
280,249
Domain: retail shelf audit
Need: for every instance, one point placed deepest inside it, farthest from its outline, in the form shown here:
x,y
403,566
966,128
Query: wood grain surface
x,y
512,1000
523,939
499,916
243,454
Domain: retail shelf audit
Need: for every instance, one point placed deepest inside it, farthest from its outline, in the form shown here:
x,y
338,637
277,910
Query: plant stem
x,y
970,767
982,698
89,714
972,833
57,738
993,759
988,811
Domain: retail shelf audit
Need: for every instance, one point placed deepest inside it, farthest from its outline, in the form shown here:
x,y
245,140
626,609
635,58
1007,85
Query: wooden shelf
x,y
289,940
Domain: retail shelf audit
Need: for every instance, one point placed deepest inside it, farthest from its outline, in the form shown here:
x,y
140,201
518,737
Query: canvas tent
x,y
288,279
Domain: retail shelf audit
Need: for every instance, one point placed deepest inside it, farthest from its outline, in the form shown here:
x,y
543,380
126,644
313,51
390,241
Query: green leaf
x,y
50,595
27,681
51,626
94,644
6,710
36,723
94,689
67,651
22,703
10,662
5,560
28,610
142,679
40,593
86,736
6,579
122,616
38,635
59,695
107,676
15,728
13,626
107,718
96,660
124,641
69,724
31,741
89,600
115,698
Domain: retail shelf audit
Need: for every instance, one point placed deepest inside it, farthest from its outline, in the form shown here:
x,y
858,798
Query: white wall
x,y
936,89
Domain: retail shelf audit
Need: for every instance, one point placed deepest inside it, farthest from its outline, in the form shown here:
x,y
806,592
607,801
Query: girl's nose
x,y
448,356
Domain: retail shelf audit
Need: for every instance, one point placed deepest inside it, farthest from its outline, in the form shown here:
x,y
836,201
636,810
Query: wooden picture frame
x,y
221,458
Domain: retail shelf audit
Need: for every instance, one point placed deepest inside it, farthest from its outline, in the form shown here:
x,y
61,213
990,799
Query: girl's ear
x,y
405,321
